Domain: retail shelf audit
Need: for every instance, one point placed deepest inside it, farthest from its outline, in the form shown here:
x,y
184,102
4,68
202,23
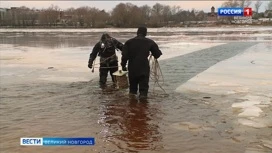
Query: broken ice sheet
x,y
245,104
252,111
252,123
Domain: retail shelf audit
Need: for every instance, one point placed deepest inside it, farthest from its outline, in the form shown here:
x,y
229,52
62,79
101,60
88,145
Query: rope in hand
x,y
103,62
156,73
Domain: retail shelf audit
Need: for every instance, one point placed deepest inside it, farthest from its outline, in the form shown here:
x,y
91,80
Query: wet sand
x,y
187,122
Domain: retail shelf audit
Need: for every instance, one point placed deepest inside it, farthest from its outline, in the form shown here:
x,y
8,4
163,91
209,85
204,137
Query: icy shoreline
x,y
248,74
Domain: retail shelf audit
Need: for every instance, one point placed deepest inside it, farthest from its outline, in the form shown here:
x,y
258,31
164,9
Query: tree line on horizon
x,y
122,15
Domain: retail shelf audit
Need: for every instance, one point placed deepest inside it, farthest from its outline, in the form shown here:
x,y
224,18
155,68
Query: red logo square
x,y
247,11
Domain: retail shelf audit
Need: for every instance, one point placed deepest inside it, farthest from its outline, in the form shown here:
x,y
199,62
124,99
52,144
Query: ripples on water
x,y
176,123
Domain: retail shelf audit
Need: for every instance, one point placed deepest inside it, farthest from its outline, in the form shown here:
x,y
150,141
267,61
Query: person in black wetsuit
x,y
105,48
136,51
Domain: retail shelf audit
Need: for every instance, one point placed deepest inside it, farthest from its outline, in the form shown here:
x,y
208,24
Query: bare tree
x,y
200,16
175,10
129,15
192,16
54,14
166,14
244,3
137,19
183,15
157,13
268,12
119,15
237,3
7,18
34,15
102,19
231,3
257,5
50,16
269,5
82,16
92,17
73,19
157,9
145,13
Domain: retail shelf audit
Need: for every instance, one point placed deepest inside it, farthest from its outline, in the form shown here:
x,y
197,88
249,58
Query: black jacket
x,y
105,49
136,51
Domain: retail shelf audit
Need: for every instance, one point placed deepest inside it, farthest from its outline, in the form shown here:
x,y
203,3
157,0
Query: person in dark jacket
x,y
136,51
105,48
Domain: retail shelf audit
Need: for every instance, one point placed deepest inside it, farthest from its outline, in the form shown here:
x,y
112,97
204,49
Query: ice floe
x,y
245,104
239,75
236,75
251,123
252,111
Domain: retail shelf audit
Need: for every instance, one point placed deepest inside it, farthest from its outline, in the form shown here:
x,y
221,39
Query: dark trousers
x,y
141,81
104,69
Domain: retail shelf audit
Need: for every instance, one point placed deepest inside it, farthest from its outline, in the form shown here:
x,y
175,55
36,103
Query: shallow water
x,y
66,101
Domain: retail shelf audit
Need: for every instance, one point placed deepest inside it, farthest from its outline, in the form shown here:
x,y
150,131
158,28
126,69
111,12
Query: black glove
x,y
124,68
90,65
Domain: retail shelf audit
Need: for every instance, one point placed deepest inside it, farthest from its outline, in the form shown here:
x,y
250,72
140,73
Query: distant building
x,y
64,19
212,16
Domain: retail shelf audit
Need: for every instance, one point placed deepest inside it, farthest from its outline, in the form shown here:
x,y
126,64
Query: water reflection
x,y
48,40
59,39
131,125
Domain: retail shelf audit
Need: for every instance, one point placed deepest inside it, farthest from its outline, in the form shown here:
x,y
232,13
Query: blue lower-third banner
x,y
57,141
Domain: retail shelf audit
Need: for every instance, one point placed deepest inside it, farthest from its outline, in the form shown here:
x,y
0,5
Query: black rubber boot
x,y
143,96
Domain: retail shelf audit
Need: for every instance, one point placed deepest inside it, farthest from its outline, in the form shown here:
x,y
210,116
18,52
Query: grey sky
x,y
108,5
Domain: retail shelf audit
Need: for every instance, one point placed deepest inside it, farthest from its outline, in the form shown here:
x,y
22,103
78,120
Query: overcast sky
x,y
108,5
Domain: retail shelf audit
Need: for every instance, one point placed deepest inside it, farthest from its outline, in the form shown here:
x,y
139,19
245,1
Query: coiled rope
x,y
156,74
103,62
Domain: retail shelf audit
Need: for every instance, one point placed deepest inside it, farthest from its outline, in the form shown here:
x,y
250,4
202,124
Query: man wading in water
x,y
136,52
105,48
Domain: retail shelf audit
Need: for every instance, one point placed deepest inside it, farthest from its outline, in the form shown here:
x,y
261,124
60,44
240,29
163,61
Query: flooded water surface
x,y
47,90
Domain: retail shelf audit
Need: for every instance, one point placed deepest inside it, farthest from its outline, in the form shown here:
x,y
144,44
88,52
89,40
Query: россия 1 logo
x,y
240,15
235,11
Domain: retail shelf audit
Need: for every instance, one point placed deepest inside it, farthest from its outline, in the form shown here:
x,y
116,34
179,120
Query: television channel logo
x,y
31,141
247,12
57,141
